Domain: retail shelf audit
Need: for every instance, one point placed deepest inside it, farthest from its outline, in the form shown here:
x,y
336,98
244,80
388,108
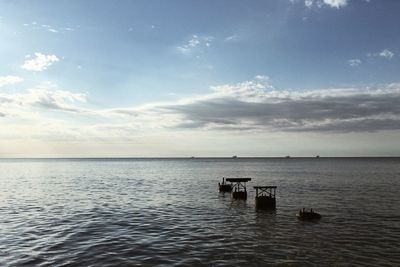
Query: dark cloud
x,y
362,125
56,106
336,111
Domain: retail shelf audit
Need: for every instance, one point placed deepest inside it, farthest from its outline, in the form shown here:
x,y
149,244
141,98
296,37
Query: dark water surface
x,y
169,213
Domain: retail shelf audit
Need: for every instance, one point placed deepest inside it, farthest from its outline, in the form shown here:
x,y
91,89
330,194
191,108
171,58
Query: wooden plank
x,y
237,180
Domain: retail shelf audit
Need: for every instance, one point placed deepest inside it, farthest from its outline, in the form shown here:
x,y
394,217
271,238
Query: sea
x,y
168,212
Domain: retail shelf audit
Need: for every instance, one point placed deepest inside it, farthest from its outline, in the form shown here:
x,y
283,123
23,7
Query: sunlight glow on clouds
x,y
246,108
21,104
9,79
253,105
40,63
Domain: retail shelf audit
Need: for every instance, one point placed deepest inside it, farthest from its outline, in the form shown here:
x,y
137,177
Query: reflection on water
x,y
169,212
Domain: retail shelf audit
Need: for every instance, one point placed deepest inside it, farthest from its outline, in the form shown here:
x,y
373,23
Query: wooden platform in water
x,y
263,187
237,180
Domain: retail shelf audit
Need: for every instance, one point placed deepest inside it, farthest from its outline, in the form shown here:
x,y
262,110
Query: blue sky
x,y
207,78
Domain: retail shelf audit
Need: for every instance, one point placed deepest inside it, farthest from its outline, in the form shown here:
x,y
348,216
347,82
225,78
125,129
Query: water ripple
x,y
168,213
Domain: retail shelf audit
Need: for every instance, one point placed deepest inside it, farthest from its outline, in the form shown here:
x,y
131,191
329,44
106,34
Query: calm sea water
x,y
159,212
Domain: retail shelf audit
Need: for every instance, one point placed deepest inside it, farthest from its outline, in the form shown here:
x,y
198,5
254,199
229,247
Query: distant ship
x,y
288,157
234,157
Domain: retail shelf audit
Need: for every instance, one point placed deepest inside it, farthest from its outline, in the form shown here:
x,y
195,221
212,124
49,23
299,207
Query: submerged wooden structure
x,y
239,190
265,197
224,187
305,215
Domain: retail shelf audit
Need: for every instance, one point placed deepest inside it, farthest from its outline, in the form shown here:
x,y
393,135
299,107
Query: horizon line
x,y
209,157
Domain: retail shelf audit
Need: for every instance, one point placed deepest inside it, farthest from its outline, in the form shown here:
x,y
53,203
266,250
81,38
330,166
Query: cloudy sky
x,y
202,78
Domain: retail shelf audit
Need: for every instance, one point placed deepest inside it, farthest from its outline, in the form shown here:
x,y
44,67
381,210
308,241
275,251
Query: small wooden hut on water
x,y
239,190
265,197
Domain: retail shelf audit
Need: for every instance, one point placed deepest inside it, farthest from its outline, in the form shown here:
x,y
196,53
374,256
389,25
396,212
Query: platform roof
x,y
264,187
237,180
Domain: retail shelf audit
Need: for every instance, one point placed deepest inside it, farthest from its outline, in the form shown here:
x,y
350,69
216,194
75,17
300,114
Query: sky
x,y
211,78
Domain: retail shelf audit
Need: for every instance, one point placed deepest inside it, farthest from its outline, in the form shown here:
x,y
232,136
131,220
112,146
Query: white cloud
x,y
50,28
194,41
354,62
261,77
335,3
250,106
9,79
42,98
258,106
232,38
40,63
385,53
321,3
58,99
308,3
195,44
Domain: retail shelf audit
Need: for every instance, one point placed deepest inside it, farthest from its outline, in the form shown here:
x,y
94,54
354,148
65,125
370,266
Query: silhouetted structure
x,y
310,215
265,197
224,187
239,187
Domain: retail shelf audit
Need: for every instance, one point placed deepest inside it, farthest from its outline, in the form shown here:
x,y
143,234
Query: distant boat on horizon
x,y
234,157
